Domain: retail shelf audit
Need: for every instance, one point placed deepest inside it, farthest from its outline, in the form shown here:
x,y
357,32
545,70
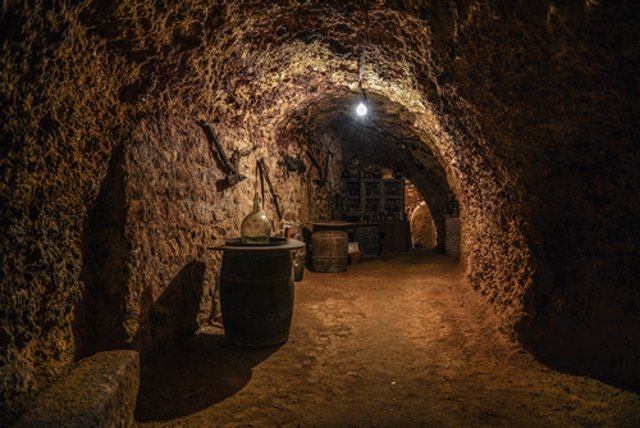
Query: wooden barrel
x,y
329,250
256,296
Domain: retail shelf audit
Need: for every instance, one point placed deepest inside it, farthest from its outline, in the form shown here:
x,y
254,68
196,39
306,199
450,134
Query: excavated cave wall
x,y
59,127
176,205
423,230
554,88
435,191
108,186
530,107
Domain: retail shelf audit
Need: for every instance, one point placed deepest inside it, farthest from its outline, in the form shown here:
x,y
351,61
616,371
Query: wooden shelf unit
x,y
373,199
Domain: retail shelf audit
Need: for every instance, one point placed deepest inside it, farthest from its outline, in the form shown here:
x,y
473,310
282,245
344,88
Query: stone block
x,y
100,391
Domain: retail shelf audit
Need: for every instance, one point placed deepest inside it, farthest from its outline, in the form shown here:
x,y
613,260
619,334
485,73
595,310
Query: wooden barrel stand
x,y
329,247
256,294
329,250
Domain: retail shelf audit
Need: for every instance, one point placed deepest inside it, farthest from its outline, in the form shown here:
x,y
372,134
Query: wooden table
x,y
396,235
367,235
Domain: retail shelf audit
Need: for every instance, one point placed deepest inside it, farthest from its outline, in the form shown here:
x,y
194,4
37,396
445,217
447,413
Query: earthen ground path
x,y
397,341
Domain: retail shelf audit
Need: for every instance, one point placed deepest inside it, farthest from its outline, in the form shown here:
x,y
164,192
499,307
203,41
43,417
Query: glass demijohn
x,y
256,227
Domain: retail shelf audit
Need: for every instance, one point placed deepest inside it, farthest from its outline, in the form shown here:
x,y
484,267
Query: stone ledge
x,y
100,391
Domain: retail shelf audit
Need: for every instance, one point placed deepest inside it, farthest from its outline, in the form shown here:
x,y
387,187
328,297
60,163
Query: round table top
x,y
292,244
337,224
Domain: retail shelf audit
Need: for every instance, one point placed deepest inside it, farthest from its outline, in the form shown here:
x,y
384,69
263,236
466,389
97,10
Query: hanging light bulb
x,y
361,109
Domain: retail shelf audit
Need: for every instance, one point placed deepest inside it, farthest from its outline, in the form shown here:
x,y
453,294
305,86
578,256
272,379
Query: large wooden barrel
x,y
256,296
329,250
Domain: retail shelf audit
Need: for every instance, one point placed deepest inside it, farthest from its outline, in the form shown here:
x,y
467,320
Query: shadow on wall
x,y
100,315
206,370
173,316
574,343
586,319
599,337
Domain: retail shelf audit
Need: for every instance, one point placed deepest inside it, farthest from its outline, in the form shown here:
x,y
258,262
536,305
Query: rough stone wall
x,y
177,207
452,236
423,230
79,81
554,88
171,218
412,197
58,128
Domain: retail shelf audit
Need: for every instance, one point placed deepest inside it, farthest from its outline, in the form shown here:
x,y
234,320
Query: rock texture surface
x,y
108,191
423,231
100,391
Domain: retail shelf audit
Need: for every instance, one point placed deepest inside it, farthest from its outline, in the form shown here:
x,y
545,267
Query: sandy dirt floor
x,y
397,341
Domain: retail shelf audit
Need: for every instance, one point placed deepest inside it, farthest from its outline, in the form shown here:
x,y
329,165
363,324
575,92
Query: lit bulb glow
x,y
361,109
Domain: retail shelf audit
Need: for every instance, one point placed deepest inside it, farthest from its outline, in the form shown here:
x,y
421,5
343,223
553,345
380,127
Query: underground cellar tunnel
x,y
113,192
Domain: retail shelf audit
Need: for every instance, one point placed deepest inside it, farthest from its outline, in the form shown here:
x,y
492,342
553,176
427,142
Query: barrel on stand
x,y
329,250
256,295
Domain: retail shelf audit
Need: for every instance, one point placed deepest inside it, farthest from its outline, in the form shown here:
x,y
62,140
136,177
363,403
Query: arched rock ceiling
x,y
385,138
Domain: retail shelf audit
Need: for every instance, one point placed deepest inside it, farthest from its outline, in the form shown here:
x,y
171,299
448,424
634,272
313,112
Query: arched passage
x,y
423,231
385,138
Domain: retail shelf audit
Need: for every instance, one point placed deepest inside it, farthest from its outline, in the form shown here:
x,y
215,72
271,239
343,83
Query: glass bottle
x,y
298,269
256,227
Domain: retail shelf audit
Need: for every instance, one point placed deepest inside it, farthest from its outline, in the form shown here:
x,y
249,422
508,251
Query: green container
x,y
298,270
